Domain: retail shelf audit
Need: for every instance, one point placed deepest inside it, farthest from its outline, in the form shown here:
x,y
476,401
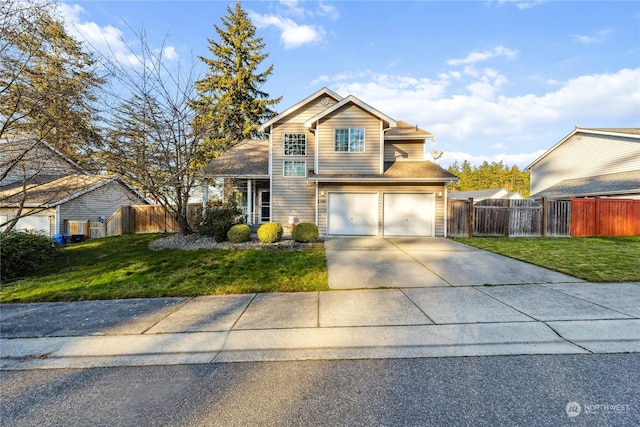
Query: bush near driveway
x,y
270,232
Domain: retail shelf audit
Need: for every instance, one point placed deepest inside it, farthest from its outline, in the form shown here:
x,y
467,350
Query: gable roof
x,y
248,159
22,144
322,92
350,100
424,171
57,191
601,185
618,132
405,131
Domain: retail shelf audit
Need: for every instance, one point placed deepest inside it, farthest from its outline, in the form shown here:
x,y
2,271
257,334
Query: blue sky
x,y
494,80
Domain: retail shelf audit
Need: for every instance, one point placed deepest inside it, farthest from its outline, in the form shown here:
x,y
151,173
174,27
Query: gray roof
x,y
613,184
395,171
250,158
57,191
404,130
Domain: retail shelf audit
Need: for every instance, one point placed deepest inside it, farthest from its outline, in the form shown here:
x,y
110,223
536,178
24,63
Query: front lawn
x,y
124,267
595,259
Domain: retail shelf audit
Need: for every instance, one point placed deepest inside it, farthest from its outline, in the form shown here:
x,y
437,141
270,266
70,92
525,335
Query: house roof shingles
x,y
53,192
393,171
250,158
610,184
404,130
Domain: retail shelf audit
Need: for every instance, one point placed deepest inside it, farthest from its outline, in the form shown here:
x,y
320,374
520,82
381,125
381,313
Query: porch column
x,y
249,201
205,194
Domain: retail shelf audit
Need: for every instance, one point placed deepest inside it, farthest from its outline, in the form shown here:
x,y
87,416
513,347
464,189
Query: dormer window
x,y
295,144
349,140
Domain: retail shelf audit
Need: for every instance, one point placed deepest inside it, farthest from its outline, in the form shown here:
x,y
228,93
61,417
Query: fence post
x,y
543,226
470,217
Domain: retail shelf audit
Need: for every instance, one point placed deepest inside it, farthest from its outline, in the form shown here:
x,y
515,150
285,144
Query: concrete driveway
x,y
418,262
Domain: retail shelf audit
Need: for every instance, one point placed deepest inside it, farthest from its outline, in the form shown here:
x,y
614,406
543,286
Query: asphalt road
x,y
491,391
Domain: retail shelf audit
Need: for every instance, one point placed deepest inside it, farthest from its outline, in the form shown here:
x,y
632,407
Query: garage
x,y
352,214
408,214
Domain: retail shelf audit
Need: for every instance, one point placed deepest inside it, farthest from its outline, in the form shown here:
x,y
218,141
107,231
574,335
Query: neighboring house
x,y
478,195
589,162
54,190
341,164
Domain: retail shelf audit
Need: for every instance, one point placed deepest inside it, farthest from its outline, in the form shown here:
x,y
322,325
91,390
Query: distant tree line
x,y
489,176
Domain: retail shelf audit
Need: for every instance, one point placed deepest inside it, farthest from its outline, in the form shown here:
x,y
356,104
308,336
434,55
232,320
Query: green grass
x,y
123,267
595,259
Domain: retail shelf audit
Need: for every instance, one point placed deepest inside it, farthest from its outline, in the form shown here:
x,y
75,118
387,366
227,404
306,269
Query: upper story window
x,y
293,168
295,144
349,140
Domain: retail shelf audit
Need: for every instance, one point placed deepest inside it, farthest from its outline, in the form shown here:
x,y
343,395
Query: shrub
x,y
218,220
270,232
239,233
305,232
23,252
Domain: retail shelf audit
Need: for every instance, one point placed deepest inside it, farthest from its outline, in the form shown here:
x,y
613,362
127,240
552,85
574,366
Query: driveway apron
x,y
418,262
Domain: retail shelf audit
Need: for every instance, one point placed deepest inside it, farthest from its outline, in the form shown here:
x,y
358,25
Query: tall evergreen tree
x,y
47,80
231,104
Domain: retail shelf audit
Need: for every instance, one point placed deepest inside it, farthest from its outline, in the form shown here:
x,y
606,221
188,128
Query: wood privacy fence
x,y
140,219
605,217
534,218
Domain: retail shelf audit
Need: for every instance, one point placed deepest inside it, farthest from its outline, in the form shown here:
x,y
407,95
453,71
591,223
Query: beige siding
x,y
293,196
403,150
102,201
332,162
381,189
585,155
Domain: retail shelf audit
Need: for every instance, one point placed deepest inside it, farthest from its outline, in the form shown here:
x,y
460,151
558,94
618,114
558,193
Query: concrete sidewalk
x,y
560,318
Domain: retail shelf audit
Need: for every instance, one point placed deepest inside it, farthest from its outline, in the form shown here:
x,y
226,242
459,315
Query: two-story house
x,y
341,164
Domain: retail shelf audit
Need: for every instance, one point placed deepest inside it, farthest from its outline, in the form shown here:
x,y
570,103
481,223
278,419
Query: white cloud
x,y
108,40
328,10
477,121
519,159
593,39
475,57
498,146
292,34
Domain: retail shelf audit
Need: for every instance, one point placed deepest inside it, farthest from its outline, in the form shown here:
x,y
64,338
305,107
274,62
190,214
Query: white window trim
x,y
364,140
284,137
294,176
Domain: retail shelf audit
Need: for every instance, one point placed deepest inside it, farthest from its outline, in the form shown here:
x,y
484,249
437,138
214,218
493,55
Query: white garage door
x,y
353,214
408,214
37,223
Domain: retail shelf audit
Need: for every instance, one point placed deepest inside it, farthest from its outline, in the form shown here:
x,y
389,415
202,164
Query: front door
x,y
264,204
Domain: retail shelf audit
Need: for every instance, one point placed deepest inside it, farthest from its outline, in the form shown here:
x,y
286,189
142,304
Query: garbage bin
x,y
61,239
77,238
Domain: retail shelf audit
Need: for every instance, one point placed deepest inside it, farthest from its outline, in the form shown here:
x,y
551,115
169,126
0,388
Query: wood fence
x,y
140,219
605,217
532,218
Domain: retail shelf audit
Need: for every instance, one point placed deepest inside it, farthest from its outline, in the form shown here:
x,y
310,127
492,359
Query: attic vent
x,y
325,101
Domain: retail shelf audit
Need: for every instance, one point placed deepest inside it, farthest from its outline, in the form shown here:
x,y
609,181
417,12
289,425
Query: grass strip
x,y
124,267
595,259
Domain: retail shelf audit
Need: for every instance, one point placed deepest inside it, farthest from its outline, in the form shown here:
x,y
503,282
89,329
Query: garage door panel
x,y
408,214
353,214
